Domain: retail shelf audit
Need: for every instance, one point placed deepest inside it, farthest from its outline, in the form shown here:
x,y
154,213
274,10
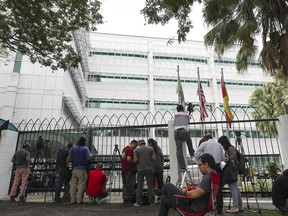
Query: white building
x,y
122,74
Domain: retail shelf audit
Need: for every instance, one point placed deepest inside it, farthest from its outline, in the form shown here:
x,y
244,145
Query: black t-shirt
x,y
61,165
280,190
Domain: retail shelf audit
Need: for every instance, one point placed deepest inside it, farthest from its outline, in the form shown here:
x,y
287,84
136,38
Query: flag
x,y
179,90
202,102
227,110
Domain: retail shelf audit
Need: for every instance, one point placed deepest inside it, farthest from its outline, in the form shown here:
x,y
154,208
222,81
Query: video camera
x,y
238,134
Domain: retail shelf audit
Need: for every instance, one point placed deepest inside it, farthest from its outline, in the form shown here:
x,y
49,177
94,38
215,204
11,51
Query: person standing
x,y
181,134
128,171
144,157
231,159
97,184
80,156
215,149
22,160
158,164
64,174
280,192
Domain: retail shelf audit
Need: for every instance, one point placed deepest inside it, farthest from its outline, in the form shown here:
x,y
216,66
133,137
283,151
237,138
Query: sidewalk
x,y
36,207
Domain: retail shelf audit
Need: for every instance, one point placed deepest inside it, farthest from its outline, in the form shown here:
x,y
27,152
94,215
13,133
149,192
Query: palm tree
x,y
269,103
233,22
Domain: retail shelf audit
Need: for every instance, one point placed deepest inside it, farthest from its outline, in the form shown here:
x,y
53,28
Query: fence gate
x,y
105,135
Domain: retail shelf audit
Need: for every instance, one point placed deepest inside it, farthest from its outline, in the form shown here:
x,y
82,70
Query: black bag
x,y
230,173
241,162
132,169
145,199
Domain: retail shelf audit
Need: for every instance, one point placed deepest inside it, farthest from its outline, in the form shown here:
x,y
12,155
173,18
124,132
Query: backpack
x,y
241,162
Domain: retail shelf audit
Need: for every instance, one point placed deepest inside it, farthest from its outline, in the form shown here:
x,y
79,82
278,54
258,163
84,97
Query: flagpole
x,y
200,102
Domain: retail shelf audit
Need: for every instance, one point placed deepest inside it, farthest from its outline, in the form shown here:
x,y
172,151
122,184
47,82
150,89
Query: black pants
x,y
219,197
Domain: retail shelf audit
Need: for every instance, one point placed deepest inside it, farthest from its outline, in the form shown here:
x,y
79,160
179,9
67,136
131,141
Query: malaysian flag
x,y
202,102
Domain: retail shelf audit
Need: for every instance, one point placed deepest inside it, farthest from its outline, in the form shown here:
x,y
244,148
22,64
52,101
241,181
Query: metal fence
x,y
104,134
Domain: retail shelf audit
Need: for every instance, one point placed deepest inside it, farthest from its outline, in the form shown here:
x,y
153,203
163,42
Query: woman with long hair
x,y
158,164
231,159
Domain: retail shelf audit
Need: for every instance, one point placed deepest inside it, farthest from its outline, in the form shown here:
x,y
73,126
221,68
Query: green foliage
x,y
233,22
43,29
269,102
273,170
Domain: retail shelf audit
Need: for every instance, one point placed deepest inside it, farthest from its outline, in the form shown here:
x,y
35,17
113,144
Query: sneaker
x,y
219,212
98,201
136,205
90,201
241,209
157,192
21,199
57,200
12,199
233,210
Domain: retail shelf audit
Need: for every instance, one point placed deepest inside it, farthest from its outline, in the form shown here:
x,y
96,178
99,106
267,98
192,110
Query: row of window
x,y
91,53
170,106
168,81
181,59
126,105
199,60
234,62
116,78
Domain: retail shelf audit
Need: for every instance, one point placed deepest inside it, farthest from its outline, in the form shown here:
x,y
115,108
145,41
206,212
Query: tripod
x,y
239,146
40,170
184,177
112,168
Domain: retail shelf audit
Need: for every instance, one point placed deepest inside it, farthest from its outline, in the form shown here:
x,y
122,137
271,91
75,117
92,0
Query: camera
x,y
238,134
190,108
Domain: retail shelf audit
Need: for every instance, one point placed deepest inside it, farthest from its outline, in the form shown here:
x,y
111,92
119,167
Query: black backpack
x,y
241,162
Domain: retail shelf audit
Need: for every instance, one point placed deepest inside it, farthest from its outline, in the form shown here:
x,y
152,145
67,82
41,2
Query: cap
x,y
27,145
141,142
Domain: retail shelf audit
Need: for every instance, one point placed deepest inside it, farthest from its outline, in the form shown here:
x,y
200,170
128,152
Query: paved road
x,y
115,208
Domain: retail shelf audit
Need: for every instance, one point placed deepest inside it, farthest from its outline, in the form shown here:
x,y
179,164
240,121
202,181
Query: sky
x,y
123,17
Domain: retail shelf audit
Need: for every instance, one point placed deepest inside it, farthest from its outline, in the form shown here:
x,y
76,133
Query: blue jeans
x,y
168,199
63,178
180,136
140,181
236,195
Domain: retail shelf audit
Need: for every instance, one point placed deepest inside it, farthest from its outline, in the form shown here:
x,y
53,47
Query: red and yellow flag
x,y
227,110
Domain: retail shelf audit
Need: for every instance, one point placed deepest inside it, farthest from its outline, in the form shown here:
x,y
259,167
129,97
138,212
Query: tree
x,y
269,102
43,29
233,22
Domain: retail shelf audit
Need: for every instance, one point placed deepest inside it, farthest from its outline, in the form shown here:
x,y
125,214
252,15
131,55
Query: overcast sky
x,y
123,17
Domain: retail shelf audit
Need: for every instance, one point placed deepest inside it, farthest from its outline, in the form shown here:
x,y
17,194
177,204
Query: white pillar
x,y
282,128
8,143
174,168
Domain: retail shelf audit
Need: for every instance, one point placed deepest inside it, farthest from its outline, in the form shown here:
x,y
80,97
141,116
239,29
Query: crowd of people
x,y
141,161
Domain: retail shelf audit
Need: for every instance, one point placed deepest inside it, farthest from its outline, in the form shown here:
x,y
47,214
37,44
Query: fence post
x,y
282,128
8,142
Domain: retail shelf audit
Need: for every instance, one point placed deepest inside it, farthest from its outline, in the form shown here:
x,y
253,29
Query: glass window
x,y
18,62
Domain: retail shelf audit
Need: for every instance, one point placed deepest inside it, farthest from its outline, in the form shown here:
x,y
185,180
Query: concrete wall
x,y
8,143
282,127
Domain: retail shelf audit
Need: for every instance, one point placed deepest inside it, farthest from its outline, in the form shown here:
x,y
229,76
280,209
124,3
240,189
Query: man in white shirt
x,y
181,134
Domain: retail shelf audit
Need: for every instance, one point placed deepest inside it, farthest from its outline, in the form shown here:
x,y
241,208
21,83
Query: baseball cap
x,y
141,142
27,145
